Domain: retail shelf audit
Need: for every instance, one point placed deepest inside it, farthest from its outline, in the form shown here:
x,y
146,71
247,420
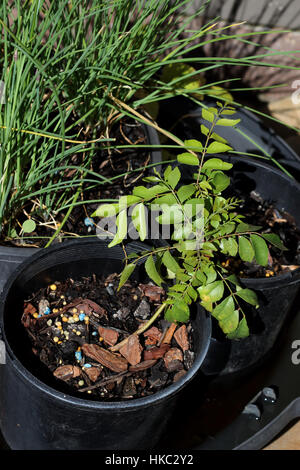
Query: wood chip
x,y
290,267
29,308
109,336
153,335
156,353
67,372
179,375
181,337
26,319
129,388
142,365
154,293
104,357
93,373
169,333
132,350
174,354
173,360
88,307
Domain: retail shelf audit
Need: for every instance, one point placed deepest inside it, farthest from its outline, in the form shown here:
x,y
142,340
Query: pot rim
x,y
293,276
129,405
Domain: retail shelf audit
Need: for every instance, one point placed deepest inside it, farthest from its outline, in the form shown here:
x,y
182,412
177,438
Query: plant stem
x,y
143,328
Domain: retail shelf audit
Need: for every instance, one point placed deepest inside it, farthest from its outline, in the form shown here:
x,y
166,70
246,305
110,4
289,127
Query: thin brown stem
x,y
143,328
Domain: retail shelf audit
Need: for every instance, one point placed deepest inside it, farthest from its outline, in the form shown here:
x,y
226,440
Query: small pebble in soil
x,y
89,222
143,310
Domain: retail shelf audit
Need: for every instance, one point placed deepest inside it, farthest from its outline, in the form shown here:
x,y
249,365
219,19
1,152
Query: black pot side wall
x,y
33,420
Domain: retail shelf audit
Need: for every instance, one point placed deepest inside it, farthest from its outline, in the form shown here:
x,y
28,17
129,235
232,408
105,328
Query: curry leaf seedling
x,y
206,228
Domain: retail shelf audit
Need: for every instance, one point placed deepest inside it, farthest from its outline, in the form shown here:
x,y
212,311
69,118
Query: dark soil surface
x,y
73,326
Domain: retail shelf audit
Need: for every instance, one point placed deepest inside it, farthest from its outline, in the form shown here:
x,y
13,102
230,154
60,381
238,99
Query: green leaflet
x,y
127,201
188,159
192,293
152,272
216,164
242,227
212,292
126,273
149,193
28,226
122,229
220,181
170,262
185,192
210,274
231,246
208,115
204,130
261,249
139,220
218,147
169,199
106,210
224,309
228,122
242,330
218,138
178,312
248,296
233,279
194,145
274,240
170,215
246,250
230,323
173,177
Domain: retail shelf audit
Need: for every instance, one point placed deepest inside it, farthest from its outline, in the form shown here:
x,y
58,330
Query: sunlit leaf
x,y
188,159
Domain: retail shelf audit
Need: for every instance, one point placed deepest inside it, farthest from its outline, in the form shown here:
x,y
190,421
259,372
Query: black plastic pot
x,y
38,413
276,294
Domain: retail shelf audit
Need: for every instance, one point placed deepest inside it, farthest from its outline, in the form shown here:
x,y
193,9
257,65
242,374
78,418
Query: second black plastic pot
x,y
36,412
276,294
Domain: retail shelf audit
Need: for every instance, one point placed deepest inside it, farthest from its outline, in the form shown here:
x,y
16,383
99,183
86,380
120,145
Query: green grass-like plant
x,y
71,69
